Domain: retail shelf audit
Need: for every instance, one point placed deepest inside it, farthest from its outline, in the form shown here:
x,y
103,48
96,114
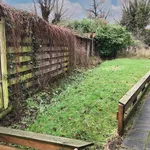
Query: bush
x,y
85,25
147,37
110,39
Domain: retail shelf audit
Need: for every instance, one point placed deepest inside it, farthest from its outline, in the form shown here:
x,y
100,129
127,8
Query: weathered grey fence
x,y
84,49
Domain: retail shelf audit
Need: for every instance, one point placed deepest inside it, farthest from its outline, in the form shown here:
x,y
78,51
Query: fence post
x,y
120,119
75,50
3,63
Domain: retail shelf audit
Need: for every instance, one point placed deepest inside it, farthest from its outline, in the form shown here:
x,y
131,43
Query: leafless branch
x,y
35,7
97,9
59,11
46,8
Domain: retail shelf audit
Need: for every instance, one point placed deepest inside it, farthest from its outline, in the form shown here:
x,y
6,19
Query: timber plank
x,y
3,64
3,147
40,141
4,112
28,49
131,100
120,119
41,71
24,49
135,89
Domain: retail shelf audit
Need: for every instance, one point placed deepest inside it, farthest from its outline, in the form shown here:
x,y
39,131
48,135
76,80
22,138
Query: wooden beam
x,y
4,147
120,119
32,144
6,111
131,111
135,90
40,141
1,96
3,63
129,102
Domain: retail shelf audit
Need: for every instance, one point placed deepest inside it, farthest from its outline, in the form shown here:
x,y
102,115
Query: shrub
x,y
147,37
110,39
136,16
86,25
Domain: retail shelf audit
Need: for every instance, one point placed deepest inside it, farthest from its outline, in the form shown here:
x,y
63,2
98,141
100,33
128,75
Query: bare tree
x,y
59,11
98,10
47,7
35,10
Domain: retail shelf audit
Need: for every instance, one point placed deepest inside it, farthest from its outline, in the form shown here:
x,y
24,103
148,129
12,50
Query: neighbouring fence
x,y
84,49
34,63
135,51
128,103
33,53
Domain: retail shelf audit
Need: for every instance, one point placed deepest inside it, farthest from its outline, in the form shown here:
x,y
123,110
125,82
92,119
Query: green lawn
x,y
86,108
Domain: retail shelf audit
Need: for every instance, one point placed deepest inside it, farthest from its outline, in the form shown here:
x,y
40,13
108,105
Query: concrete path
x,y
138,138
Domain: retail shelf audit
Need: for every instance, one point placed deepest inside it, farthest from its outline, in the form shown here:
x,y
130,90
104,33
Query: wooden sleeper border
x,y
39,141
128,103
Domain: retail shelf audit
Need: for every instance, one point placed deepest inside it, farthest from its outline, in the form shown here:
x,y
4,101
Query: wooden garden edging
x,y
39,141
128,103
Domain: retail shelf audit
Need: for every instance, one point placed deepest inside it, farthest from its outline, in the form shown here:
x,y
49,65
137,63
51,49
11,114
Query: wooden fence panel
x,y
24,64
30,61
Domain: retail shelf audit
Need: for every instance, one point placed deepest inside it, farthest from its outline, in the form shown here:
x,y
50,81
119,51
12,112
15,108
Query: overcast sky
x,y
76,8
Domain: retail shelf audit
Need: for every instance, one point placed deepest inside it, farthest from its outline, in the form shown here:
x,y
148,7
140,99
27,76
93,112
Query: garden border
x,y
128,103
39,141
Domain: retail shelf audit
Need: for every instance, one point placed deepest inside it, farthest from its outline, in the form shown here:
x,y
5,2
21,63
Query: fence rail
x,y
39,141
128,103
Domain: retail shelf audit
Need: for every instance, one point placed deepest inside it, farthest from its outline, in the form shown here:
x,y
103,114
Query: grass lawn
x,y
86,108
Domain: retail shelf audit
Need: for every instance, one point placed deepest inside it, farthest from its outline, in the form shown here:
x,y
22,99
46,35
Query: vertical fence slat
x,y
3,63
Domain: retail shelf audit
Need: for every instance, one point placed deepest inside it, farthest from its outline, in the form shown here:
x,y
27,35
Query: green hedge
x,y
147,37
110,39
85,25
